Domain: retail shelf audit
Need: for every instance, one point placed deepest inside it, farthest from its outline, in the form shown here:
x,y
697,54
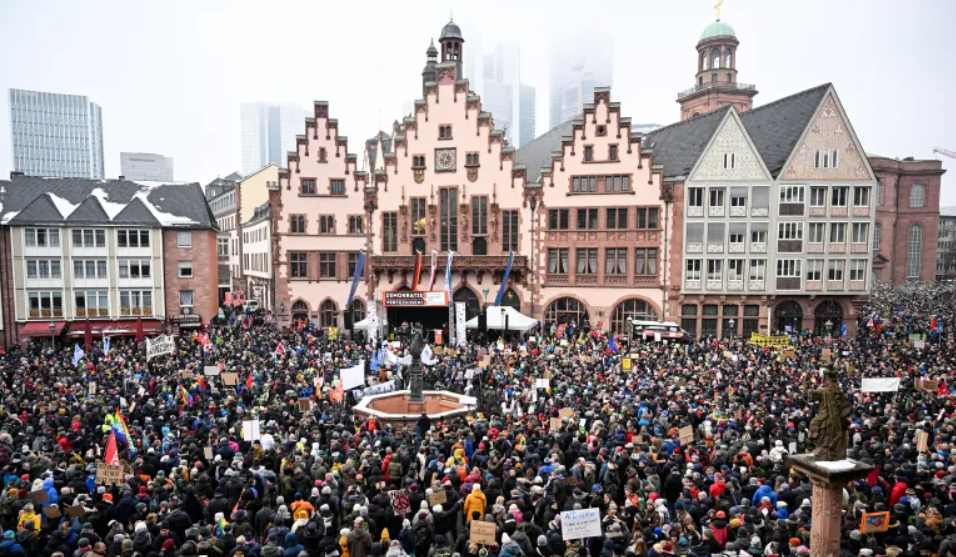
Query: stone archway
x,y
300,311
472,304
788,314
827,311
566,310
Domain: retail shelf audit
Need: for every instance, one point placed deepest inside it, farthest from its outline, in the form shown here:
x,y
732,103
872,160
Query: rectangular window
x,y
479,215
589,153
645,261
758,233
758,269
790,231
337,187
587,261
788,268
818,197
89,238
616,219
838,197
816,232
652,218
695,197
716,197
715,233
184,239
419,220
389,232
356,224
298,264
715,269
612,153
186,298
837,232
791,194
92,303
693,269
132,238
136,302
46,304
857,269
326,224
835,269
353,261
448,198
32,270
558,261
860,230
737,200
861,196
815,270
587,219
509,231
327,265
307,186
471,159
558,219
185,269
298,224
615,261
735,269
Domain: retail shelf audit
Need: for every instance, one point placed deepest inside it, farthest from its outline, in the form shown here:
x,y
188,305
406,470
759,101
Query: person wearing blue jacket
x,y
765,491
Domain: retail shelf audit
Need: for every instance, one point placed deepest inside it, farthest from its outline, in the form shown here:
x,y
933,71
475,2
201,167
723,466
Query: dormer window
x,y
418,161
826,158
444,132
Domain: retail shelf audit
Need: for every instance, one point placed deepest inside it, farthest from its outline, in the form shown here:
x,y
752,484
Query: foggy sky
x,y
170,75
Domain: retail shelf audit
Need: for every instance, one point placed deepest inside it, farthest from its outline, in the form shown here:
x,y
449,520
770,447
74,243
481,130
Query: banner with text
x,y
160,346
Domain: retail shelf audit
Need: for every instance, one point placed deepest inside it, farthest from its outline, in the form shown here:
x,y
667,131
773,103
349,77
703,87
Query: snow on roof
x,y
167,219
112,208
62,205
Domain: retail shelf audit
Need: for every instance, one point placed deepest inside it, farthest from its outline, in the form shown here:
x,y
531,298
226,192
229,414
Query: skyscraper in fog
x,y
268,133
579,63
510,102
56,136
146,166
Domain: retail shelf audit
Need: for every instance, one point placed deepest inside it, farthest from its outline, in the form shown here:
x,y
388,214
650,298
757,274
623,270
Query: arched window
x,y
418,244
727,57
566,310
328,314
914,249
827,312
472,305
788,314
630,309
511,299
917,195
300,311
358,310
714,58
876,237
879,192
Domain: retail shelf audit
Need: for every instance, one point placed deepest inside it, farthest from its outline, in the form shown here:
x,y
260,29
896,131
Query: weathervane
x,y
717,7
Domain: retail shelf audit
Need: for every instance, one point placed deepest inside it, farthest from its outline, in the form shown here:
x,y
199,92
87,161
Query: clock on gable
x,y
445,160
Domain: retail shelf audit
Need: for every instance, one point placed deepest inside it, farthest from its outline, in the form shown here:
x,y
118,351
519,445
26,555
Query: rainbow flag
x,y
119,426
187,398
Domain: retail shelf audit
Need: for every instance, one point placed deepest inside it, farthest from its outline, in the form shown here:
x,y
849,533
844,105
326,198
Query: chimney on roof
x,y
15,173
121,177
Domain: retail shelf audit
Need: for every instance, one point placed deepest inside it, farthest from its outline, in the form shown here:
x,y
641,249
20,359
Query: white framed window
x,y
818,196
815,270
91,303
45,304
695,197
788,268
835,269
693,269
792,194
184,239
132,238
876,236
134,269
879,192
758,236
736,238
826,158
917,195
738,200
41,237
715,269
186,298
914,251
136,302
758,269
837,232
838,196
861,196
859,232
89,269
43,269
735,269
185,269
817,232
89,238
858,270
790,231
717,197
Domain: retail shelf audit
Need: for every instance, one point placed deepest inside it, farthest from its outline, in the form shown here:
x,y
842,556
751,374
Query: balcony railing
x,y
717,86
470,262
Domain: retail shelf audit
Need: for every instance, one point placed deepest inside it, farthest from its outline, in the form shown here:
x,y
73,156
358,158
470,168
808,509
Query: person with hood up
x,y
475,502
28,515
511,549
292,546
359,540
9,547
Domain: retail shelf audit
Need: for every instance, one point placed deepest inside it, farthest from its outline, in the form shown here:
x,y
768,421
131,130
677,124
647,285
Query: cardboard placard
x,y
437,498
380,485
230,379
76,511
109,474
789,353
52,512
39,497
207,452
585,523
485,362
686,435
826,355
482,533
570,481
186,373
928,385
304,404
922,441
555,424
873,523
92,390
565,413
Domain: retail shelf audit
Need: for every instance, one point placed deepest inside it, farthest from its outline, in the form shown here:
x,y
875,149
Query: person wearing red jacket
x,y
898,491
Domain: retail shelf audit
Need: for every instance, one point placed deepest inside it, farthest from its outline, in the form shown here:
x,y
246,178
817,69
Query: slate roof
x,y
65,201
775,128
678,146
536,154
947,211
371,146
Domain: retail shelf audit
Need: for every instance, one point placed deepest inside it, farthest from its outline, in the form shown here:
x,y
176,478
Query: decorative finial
x,y
451,16
717,7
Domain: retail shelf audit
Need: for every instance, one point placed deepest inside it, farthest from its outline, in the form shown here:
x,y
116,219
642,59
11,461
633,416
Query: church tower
x,y
716,80
452,46
428,74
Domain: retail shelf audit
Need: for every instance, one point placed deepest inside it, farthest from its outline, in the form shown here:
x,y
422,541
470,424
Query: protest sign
x,y
304,404
626,364
109,474
354,376
686,435
160,346
880,384
230,379
207,452
922,441
437,498
826,355
874,523
542,383
927,385
555,424
92,389
482,533
73,512
376,389
250,430
585,523
399,499
210,370
39,497
565,413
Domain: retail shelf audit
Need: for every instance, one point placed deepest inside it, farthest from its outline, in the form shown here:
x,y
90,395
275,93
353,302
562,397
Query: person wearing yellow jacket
x,y
27,515
475,502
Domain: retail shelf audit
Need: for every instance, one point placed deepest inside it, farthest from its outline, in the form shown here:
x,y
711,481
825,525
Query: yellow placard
x,y
765,340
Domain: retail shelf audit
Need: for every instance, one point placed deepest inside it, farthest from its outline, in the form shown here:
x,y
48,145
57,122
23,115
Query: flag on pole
x,y
250,380
111,456
451,254
119,427
106,345
431,280
418,270
612,345
843,330
504,280
339,393
359,269
187,398
78,354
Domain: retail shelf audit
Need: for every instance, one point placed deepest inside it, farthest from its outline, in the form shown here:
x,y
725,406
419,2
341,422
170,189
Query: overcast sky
x,y
170,75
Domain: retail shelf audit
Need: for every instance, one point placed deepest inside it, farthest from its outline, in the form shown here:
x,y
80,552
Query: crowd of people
x,y
315,481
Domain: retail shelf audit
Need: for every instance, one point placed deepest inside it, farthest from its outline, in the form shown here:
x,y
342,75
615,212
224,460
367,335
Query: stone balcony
x,y
760,211
715,248
758,247
716,211
715,284
694,248
478,263
738,211
756,285
736,247
692,284
735,285
695,211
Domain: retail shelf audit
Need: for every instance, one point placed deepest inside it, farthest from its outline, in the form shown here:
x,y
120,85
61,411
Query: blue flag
x,y
359,267
504,280
451,255
78,354
106,345
612,345
843,330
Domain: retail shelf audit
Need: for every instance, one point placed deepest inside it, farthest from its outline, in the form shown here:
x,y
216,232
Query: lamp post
x,y
369,208
504,320
484,310
53,335
534,260
829,326
733,328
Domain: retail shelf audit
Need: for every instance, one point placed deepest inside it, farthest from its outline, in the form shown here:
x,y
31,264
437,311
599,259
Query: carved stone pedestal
x,y
828,478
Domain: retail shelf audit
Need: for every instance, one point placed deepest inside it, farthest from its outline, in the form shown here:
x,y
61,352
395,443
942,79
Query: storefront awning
x,y
117,328
41,328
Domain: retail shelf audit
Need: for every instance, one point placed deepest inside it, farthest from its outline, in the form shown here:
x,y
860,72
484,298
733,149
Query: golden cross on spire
x,y
717,7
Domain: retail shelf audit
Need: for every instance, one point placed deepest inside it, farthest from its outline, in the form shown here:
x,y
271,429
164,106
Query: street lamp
x,y
828,325
504,320
53,335
534,238
733,328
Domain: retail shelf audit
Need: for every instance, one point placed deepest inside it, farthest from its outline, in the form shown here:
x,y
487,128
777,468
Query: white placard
x,y
250,430
210,370
919,344
159,346
542,383
377,389
354,376
372,330
880,384
585,523
460,334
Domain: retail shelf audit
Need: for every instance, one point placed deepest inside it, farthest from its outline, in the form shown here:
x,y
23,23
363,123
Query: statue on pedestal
x,y
415,380
830,428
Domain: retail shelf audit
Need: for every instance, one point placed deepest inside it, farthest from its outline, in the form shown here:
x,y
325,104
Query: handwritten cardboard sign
x,y
922,441
555,424
109,474
39,497
437,498
585,523
75,511
207,452
482,533
230,379
826,355
565,413
399,499
304,404
686,435
874,523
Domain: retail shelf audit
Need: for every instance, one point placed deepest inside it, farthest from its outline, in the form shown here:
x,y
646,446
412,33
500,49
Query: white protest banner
x,y
460,333
353,376
378,389
210,370
919,344
159,346
880,384
250,430
585,523
542,383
